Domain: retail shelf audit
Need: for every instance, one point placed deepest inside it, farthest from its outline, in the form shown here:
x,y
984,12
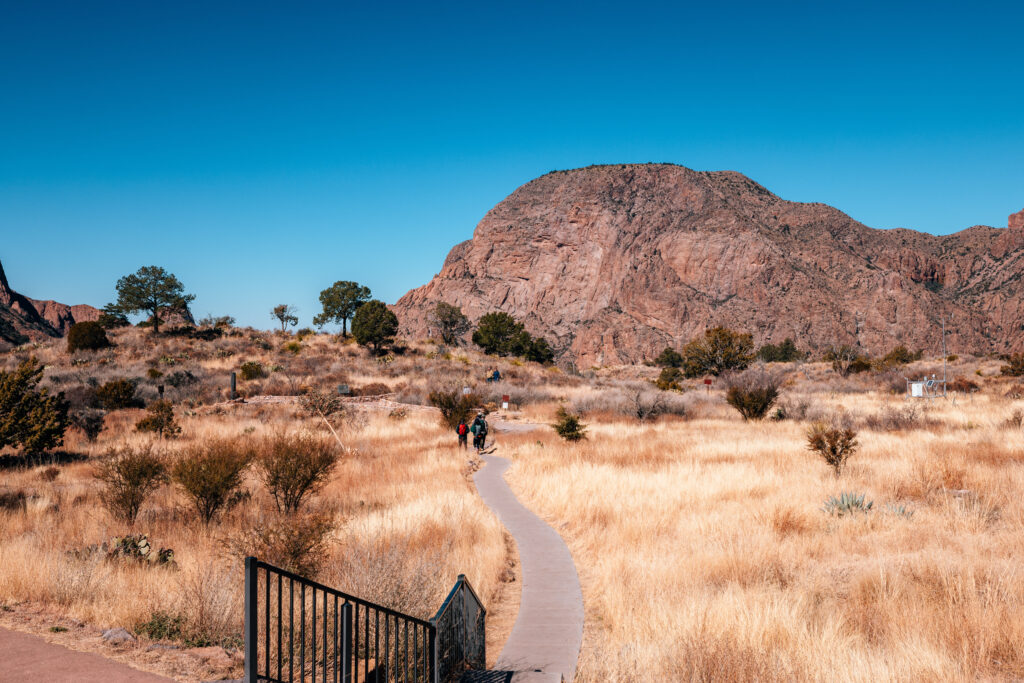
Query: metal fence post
x,y
346,643
435,674
251,586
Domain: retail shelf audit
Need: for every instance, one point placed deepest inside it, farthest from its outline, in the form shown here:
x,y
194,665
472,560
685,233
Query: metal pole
x,y
251,585
346,643
234,395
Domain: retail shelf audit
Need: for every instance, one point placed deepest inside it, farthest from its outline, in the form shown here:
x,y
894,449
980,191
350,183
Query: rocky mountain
x,y
23,319
613,263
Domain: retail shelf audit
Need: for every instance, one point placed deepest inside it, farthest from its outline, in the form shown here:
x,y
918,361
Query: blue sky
x,y
263,150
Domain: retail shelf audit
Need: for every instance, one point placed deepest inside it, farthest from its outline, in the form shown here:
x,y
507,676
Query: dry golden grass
x,y
705,555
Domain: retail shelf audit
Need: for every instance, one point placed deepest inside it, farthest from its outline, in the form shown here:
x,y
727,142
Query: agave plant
x,y
847,504
899,510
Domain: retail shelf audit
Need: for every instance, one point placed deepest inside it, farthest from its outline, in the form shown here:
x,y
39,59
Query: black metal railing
x,y
461,635
300,630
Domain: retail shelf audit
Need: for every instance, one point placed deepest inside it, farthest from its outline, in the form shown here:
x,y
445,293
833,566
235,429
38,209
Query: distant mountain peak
x,y
612,263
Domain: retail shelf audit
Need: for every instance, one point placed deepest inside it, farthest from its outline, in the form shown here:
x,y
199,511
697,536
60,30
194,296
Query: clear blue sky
x,y
262,150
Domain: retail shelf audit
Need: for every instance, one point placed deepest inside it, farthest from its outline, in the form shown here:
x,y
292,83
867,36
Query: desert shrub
x,y
833,441
898,418
12,500
117,394
304,332
1014,366
90,421
372,389
537,350
159,420
292,347
154,373
455,406
846,359
129,476
50,473
669,378
112,319
297,543
211,475
87,336
374,325
181,378
963,385
81,396
786,352
793,409
645,404
952,358
1015,421
498,333
568,426
753,393
669,358
30,417
251,370
900,355
719,349
163,626
294,467
847,504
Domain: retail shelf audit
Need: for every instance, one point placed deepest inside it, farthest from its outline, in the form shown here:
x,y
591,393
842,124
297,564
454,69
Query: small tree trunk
x,y
156,320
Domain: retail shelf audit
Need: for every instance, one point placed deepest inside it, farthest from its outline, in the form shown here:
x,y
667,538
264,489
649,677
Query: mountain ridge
x,y
613,262
23,319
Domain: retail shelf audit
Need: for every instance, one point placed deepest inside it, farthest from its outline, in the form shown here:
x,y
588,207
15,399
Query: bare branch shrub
x,y
298,543
210,475
753,393
130,475
455,406
833,441
294,467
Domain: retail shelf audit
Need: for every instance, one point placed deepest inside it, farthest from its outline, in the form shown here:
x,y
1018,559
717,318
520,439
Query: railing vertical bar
x,y
387,644
291,630
347,652
266,629
280,628
326,629
366,646
302,633
405,659
355,642
335,640
250,619
312,645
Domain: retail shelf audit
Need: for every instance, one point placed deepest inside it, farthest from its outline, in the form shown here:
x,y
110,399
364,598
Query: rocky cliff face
x,y
1016,220
23,319
613,263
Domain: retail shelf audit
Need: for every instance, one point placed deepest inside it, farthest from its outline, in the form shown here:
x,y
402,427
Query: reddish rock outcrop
x,y
23,319
1016,220
613,263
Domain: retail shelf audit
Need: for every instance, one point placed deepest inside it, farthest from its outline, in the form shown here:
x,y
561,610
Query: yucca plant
x,y
847,504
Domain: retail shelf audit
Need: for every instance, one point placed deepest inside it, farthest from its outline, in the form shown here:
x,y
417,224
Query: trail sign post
x,y
707,383
504,402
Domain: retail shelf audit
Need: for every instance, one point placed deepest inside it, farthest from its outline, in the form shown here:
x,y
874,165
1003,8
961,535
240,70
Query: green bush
x,y
211,475
129,476
832,441
292,347
374,325
294,467
669,358
159,420
252,370
87,336
455,406
719,349
90,421
786,352
30,417
669,378
117,394
502,335
753,394
568,426
1014,367
900,355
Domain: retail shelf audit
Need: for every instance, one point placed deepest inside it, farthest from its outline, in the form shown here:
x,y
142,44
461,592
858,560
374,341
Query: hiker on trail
x,y
463,431
479,430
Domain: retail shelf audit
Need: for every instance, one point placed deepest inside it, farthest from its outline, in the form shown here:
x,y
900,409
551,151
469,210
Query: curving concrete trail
x,y
546,638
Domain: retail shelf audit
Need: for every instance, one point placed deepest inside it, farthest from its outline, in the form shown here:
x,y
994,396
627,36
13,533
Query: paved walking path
x,y
24,657
549,629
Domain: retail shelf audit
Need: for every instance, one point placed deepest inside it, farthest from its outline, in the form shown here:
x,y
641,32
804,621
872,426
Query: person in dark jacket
x,y
463,431
479,430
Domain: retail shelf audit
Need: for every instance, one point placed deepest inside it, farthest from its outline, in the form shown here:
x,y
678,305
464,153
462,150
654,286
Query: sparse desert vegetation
x,y
848,530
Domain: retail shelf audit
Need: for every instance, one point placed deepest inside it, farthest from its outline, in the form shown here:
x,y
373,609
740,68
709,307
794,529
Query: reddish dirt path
x,y
30,658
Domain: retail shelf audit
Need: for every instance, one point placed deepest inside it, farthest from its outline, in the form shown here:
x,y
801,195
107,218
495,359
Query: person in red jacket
x,y
463,431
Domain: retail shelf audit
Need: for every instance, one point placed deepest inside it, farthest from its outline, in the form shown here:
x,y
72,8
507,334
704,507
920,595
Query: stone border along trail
x,y
548,632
